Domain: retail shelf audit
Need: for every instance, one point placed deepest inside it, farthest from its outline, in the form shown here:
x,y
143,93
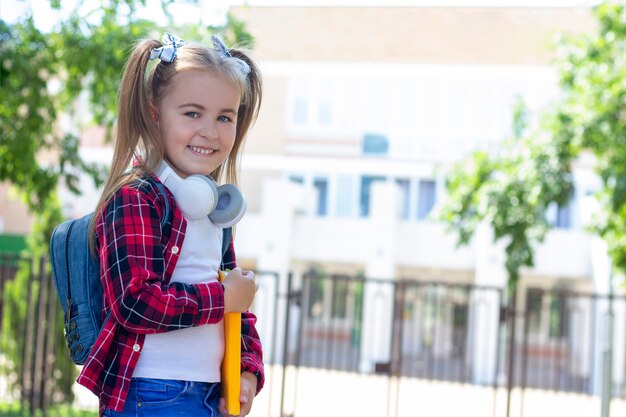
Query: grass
x,y
59,410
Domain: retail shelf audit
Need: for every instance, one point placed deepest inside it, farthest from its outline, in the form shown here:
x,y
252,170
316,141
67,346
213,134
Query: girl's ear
x,y
154,112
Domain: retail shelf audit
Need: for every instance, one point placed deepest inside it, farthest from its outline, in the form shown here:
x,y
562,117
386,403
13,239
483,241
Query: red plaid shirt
x,y
137,260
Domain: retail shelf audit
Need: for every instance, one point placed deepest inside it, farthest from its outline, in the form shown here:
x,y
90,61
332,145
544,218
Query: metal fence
x,y
428,327
542,339
29,350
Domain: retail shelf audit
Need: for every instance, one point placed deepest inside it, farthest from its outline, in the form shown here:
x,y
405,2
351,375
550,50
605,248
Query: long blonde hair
x,y
137,135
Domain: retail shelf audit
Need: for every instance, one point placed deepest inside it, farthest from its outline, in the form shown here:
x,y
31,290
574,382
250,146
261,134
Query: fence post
x,y
400,288
607,361
40,332
512,313
26,376
285,343
50,333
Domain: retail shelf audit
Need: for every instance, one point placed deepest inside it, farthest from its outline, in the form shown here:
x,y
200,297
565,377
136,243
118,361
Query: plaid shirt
x,y
137,260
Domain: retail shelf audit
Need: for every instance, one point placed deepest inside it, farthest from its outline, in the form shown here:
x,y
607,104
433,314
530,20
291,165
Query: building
x,y
365,111
393,95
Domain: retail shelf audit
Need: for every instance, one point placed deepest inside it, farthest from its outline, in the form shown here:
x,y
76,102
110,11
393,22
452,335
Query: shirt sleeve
x,y
132,268
251,349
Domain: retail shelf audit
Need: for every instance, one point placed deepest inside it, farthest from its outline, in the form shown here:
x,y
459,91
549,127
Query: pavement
x,y
322,393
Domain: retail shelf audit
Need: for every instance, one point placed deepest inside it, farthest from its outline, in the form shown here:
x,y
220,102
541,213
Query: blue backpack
x,y
76,274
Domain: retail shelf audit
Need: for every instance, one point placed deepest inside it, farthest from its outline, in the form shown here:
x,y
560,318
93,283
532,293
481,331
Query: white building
x,y
365,111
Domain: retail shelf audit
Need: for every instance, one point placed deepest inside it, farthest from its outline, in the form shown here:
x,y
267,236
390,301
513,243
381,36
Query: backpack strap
x,y
226,238
67,273
166,213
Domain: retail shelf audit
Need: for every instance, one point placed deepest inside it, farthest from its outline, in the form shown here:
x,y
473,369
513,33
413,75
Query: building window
x,y
534,304
558,317
563,217
301,110
325,105
366,191
340,298
301,104
345,195
374,144
321,190
564,214
404,202
315,297
426,198
298,179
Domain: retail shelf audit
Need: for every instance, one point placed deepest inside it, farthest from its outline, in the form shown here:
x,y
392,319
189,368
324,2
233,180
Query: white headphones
x,y
198,196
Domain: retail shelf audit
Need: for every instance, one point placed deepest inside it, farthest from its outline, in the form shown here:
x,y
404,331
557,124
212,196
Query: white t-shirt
x,y
194,353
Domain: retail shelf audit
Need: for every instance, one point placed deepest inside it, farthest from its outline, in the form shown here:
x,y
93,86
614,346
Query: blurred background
x,y
436,197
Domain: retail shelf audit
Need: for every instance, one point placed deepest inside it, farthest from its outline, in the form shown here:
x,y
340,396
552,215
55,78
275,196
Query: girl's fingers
x,y
222,407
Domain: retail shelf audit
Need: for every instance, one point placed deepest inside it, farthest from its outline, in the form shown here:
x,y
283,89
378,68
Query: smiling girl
x,y
181,122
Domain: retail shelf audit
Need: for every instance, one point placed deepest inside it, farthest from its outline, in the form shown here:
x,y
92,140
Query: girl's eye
x,y
192,114
224,119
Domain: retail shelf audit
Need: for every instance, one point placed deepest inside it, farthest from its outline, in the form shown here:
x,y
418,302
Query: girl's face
x,y
197,118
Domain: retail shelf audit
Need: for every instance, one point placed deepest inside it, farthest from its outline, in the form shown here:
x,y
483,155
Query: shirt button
x,y
175,250
136,347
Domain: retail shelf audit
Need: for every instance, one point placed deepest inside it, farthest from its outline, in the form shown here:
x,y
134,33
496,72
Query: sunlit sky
x,y
213,11
207,12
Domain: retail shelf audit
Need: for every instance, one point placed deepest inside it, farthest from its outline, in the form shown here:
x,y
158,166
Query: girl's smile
x,y
201,151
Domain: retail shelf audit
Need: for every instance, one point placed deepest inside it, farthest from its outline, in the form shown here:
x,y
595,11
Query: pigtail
x,y
248,109
252,98
134,122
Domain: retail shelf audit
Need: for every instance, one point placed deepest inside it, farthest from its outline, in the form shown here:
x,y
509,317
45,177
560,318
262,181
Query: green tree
x,y
512,189
42,76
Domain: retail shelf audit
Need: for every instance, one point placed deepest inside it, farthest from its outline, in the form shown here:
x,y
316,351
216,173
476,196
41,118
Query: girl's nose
x,y
209,131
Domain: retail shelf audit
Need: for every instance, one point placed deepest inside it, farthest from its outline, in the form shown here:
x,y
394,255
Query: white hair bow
x,y
167,52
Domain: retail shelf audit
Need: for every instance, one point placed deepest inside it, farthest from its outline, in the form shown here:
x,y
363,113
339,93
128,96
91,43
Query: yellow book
x,y
231,365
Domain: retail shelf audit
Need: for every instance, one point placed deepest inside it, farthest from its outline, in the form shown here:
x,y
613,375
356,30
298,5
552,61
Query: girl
x,y
160,351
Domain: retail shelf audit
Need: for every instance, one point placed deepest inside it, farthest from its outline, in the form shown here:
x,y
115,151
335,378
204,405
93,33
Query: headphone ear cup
x,y
196,196
230,208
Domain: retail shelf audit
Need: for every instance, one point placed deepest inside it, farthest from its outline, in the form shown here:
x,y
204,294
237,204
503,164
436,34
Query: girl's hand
x,y
239,289
248,389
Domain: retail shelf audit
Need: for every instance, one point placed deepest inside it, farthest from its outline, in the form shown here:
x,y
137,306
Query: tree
x,y
42,76
512,189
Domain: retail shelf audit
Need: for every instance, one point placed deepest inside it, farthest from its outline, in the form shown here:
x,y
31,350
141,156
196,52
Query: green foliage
x,y
27,110
234,32
594,77
60,410
42,76
512,190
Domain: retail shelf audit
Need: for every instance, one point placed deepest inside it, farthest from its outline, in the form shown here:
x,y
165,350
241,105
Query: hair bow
x,y
219,46
167,52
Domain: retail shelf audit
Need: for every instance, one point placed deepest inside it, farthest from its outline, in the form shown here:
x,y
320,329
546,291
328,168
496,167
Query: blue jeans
x,y
168,398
